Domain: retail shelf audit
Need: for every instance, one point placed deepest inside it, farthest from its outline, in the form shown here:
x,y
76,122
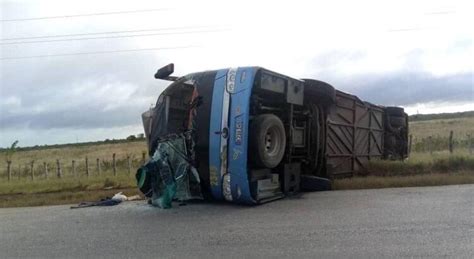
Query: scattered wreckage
x,y
249,135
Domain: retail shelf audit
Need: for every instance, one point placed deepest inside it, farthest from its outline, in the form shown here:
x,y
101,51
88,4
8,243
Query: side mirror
x,y
164,72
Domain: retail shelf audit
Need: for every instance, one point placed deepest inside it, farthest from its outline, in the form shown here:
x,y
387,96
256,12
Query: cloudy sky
x,y
417,54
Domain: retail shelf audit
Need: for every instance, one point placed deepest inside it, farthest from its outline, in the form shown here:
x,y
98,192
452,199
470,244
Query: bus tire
x,y
395,111
267,141
397,121
320,89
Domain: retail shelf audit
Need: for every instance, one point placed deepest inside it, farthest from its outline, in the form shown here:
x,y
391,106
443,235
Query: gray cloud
x,y
404,88
84,94
407,86
78,117
78,93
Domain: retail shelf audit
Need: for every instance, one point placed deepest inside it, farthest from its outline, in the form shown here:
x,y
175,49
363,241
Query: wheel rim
x,y
272,141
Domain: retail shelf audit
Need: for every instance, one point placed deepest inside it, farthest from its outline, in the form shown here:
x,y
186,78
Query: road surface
x,y
401,222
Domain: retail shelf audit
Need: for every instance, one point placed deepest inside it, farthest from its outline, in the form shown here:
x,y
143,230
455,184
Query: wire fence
x,y
441,143
127,165
85,167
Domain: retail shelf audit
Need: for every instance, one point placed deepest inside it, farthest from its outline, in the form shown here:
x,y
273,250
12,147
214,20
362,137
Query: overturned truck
x,y
250,135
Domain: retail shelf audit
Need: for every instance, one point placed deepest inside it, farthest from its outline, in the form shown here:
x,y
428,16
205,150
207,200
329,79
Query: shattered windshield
x,y
172,113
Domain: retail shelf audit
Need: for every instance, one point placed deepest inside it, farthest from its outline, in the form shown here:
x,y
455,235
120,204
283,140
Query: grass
x,y
439,131
18,193
421,169
104,152
22,191
460,127
424,163
58,198
66,184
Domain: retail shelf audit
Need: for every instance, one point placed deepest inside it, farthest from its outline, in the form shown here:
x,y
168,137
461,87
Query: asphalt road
x,y
403,222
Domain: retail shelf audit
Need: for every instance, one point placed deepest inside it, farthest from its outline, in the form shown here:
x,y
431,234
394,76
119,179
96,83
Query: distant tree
x,y
131,137
438,116
10,151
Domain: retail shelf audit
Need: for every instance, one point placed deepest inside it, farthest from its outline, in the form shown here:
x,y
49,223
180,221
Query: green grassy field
x,y
104,152
421,169
438,167
23,190
441,127
66,190
433,135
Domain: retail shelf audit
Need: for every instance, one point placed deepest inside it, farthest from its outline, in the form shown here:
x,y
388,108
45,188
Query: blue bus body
x,y
228,155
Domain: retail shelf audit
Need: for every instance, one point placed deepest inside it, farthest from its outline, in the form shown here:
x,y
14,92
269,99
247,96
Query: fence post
x,y
45,166
19,171
451,142
9,164
409,144
114,165
143,157
58,167
87,167
129,165
469,143
98,166
74,168
430,145
32,169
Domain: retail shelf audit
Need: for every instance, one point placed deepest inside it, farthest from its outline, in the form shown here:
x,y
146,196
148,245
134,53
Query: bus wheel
x,y
319,89
395,111
267,141
398,121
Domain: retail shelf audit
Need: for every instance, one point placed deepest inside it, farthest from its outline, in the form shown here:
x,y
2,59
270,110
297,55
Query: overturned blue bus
x,y
249,135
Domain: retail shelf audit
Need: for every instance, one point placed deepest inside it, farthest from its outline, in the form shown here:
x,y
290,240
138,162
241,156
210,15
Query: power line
x,y
109,37
412,29
97,52
441,12
107,32
82,15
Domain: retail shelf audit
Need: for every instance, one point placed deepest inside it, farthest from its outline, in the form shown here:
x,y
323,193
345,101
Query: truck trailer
x,y
249,135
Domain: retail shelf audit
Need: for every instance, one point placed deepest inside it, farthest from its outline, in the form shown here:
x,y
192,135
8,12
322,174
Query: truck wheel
x,y
397,121
316,88
267,141
395,111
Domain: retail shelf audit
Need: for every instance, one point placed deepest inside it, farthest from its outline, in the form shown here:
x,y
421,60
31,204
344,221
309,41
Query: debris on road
x,y
134,198
119,197
115,200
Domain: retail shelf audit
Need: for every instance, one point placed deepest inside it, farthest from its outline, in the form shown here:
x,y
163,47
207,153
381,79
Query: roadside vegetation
x,y
20,193
67,153
421,169
41,188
